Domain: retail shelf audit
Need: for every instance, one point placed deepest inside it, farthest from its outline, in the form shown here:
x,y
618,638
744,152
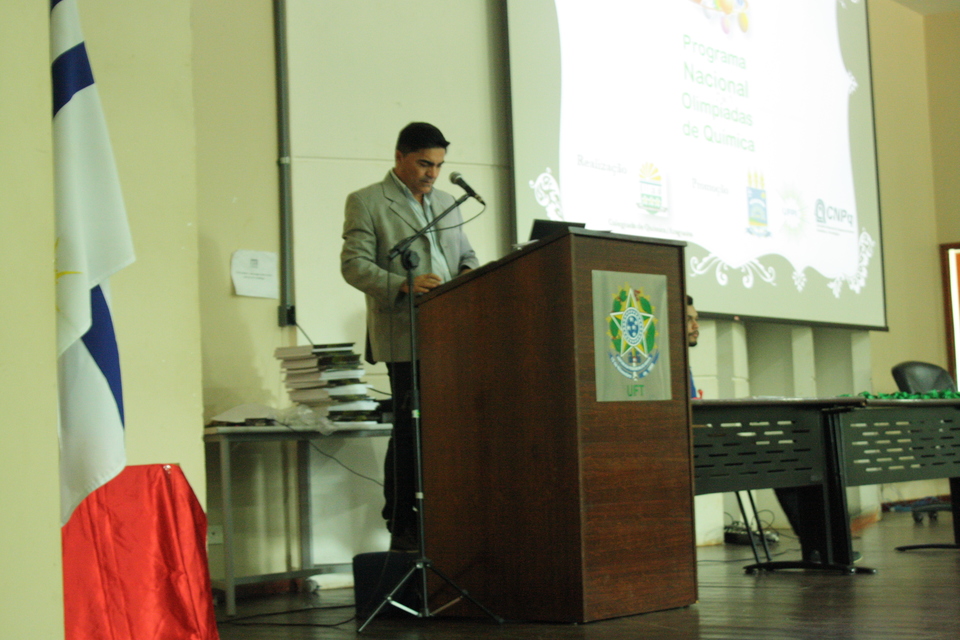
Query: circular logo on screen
x,y
793,212
632,328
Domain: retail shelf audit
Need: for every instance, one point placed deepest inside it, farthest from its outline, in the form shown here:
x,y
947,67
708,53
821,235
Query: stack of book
x,y
329,379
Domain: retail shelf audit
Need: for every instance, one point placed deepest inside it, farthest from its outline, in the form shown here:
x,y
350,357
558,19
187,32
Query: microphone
x,y
458,180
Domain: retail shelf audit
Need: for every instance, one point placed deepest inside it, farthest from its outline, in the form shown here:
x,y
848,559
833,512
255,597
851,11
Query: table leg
x,y
841,539
955,508
305,513
226,486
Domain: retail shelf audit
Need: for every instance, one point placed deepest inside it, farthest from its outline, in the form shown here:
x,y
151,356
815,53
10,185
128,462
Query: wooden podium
x,y
541,502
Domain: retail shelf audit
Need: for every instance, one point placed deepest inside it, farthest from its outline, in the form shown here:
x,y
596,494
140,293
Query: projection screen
x,y
744,128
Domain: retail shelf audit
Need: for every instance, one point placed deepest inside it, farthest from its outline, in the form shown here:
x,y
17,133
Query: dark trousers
x,y
814,538
399,469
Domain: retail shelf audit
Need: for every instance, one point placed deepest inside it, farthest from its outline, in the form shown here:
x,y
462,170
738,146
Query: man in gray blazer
x,y
377,218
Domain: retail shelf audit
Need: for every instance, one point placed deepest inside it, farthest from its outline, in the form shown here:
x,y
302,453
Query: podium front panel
x,y
542,502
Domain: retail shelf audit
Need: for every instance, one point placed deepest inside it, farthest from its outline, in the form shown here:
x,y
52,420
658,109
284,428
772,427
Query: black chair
x,y
922,377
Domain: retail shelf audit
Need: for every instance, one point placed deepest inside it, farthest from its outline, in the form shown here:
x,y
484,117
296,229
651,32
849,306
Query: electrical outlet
x,y
214,534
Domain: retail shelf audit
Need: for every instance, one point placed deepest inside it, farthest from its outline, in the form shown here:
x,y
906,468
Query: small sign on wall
x,y
255,273
631,336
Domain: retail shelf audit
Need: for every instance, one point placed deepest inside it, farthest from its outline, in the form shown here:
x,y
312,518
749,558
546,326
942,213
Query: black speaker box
x,y
376,574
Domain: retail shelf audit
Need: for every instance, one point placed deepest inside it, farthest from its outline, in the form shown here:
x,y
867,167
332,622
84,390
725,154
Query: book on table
x,y
332,394
324,375
306,350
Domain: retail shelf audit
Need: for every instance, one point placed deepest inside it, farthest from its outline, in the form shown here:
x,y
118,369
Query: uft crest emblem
x,y
633,334
652,190
757,205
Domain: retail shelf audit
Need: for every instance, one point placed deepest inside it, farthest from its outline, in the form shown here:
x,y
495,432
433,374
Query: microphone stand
x,y
410,260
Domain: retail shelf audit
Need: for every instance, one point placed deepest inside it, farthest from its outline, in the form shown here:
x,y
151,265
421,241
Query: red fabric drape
x,y
135,561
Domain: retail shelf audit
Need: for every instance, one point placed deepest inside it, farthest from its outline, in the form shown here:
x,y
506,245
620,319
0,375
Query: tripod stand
x,y
410,260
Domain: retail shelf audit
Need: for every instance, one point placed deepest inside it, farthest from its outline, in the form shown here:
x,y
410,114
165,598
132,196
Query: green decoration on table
x,y
903,395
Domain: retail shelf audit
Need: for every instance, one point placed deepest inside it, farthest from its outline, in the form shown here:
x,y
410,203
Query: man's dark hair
x,y
690,300
420,135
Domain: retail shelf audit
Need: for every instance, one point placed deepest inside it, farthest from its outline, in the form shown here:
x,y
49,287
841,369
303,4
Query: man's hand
x,y
422,283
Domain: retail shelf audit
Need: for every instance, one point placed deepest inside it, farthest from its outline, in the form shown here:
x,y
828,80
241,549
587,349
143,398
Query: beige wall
x,y
31,605
237,180
943,71
908,208
141,55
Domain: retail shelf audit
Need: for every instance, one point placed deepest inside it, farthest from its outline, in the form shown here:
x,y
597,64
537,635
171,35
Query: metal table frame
x,y
781,444
819,447
226,438
897,441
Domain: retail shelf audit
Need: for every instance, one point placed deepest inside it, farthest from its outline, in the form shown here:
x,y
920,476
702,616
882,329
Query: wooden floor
x,y
914,595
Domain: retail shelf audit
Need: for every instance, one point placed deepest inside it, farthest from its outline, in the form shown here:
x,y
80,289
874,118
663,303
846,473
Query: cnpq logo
x,y
632,329
833,217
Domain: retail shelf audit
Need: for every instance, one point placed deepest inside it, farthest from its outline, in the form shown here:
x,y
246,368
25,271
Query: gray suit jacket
x,y
377,218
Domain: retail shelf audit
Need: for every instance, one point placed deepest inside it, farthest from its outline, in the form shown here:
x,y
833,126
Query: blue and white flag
x,y
93,242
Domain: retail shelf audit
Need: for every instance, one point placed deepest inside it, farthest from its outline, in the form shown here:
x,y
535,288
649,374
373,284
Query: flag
x,y
92,243
133,538
135,561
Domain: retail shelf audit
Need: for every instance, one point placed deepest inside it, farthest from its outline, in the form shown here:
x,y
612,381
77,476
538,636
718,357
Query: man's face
x,y
693,327
419,169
